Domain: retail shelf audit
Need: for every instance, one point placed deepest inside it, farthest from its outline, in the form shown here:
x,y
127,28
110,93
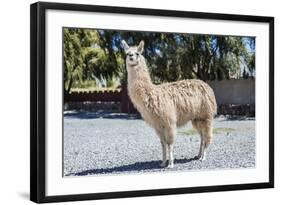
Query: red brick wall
x,y
104,96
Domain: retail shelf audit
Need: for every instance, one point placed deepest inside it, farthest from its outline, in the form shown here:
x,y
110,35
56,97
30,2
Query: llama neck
x,y
139,84
138,75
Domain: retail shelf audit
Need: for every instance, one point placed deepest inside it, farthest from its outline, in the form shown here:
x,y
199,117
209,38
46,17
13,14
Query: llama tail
x,y
211,98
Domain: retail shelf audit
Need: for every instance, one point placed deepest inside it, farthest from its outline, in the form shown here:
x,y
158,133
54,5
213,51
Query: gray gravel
x,y
100,143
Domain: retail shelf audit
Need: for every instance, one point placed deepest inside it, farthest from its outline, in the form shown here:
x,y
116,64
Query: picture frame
x,y
39,130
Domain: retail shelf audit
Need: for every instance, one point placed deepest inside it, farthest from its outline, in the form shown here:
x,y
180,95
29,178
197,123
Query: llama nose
x,y
131,58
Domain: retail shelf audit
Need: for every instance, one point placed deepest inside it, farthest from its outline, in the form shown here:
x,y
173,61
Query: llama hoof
x,y
163,164
197,157
202,159
170,166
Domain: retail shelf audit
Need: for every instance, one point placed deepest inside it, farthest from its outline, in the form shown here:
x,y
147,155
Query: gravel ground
x,y
100,143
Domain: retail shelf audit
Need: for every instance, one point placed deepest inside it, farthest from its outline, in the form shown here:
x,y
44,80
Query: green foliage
x,y
88,57
97,55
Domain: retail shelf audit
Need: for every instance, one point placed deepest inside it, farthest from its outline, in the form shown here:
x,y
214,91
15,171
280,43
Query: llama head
x,y
134,53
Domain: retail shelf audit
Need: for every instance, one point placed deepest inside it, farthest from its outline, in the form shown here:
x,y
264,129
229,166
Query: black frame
x,y
37,101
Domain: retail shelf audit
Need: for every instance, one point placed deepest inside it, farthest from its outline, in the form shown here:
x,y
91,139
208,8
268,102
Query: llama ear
x,y
140,47
125,45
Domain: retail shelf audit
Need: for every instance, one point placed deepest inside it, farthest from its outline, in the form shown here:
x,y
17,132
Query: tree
x,y
97,55
77,48
208,57
88,55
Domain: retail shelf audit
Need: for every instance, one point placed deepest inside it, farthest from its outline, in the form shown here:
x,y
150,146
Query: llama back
x,y
193,99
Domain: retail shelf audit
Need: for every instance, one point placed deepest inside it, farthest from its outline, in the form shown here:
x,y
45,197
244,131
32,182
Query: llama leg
x,y
171,134
197,125
205,128
164,148
164,153
201,147
203,152
171,155
208,136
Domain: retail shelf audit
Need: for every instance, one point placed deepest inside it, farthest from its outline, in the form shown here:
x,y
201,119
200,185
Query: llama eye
x,y
137,54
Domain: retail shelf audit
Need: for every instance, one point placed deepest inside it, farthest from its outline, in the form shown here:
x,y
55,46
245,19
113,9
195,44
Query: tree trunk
x,y
69,85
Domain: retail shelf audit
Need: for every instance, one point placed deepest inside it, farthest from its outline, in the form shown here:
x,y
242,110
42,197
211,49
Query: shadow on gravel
x,y
97,115
139,166
237,118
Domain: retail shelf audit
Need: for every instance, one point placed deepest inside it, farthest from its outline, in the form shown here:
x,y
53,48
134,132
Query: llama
x,y
170,105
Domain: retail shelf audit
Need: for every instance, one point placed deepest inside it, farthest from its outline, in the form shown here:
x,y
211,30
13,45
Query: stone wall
x,y
236,92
